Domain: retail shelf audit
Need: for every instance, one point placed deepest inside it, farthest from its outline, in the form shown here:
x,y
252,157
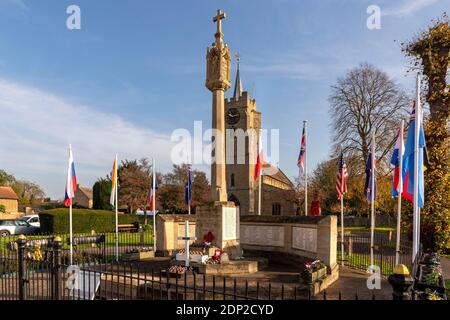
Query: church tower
x,y
244,121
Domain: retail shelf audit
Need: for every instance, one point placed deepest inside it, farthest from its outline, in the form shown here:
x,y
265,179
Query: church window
x,y
232,180
276,209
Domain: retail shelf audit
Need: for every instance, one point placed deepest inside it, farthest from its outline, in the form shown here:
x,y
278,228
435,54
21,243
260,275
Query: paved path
x,y
353,282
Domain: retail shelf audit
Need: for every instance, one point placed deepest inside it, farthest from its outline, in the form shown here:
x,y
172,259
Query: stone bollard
x,y
56,267
401,282
22,264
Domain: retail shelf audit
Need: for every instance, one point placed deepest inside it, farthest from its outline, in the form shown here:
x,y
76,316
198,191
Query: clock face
x,y
233,116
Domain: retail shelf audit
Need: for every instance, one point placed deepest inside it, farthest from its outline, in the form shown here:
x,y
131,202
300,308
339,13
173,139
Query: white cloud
x,y
407,7
37,126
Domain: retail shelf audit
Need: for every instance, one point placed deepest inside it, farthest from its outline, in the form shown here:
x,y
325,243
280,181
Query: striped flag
x,y
259,160
153,193
112,198
71,182
301,156
342,176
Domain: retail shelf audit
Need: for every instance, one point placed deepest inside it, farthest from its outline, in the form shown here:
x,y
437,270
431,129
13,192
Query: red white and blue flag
x,y
301,156
71,183
153,193
395,161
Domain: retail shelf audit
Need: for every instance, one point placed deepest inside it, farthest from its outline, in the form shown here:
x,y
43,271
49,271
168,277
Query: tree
x,y
29,193
6,179
430,53
134,184
171,194
101,194
366,100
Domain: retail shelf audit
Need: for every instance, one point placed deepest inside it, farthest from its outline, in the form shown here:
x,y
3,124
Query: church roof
x,y
8,193
278,175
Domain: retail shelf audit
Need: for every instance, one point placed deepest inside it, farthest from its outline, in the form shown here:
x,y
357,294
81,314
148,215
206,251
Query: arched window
x,y
232,180
276,209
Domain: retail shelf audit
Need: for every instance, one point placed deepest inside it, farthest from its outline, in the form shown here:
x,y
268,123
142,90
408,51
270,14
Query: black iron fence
x,y
101,247
29,277
357,252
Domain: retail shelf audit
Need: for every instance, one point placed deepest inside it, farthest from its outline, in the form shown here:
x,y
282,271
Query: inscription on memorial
x,y
230,224
262,235
304,239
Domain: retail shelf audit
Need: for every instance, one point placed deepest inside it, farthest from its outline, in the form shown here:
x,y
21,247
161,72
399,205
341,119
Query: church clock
x,y
233,116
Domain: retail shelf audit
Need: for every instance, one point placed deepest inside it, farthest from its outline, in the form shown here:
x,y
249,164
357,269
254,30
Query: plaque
x,y
304,239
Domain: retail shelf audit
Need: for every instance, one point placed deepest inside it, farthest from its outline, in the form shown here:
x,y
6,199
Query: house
x,y
9,199
83,197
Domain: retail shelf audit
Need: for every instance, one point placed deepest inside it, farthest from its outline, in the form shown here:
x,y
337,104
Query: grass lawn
x,y
125,239
361,261
386,229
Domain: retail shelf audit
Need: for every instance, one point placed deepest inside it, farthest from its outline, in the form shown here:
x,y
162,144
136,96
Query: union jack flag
x,y
301,156
342,176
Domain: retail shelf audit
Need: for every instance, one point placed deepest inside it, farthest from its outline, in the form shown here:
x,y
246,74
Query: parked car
x,y
32,219
11,227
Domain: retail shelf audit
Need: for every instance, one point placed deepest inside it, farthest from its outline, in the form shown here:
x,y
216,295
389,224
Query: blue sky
x,y
136,70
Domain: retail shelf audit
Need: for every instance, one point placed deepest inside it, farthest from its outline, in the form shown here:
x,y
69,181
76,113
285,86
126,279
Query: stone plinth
x,y
169,227
222,220
232,267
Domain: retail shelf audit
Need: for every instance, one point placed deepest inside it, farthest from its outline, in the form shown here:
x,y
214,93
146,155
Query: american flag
x,y
341,181
301,156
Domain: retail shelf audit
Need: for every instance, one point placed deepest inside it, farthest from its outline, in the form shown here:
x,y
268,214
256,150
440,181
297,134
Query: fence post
x,y
56,279
22,242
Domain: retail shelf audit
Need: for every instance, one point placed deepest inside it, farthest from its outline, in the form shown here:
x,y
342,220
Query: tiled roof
x,y
8,193
86,191
278,175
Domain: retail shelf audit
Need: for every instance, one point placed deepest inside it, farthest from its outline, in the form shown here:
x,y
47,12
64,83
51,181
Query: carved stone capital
x,y
218,62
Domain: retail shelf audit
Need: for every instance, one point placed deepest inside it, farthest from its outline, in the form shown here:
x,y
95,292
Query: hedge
x,y
56,221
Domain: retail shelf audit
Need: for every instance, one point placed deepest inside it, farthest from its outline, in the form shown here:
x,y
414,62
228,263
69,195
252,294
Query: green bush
x,y
2,208
56,221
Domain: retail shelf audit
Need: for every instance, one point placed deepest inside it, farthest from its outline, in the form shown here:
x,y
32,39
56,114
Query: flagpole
x,y
117,211
70,214
305,124
372,196
399,194
259,193
416,226
189,191
342,226
342,211
154,204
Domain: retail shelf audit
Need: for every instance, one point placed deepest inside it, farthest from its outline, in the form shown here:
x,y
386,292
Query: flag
x,y
153,192
188,188
370,174
395,161
112,198
259,160
408,160
342,176
301,156
71,183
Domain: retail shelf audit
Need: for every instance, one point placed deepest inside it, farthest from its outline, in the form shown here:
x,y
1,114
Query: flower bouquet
x,y
313,271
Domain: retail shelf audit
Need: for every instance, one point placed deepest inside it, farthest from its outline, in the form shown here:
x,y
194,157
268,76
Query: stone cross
x,y
220,15
186,239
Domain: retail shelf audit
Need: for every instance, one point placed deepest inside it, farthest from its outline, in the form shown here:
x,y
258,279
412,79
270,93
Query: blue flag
x,y
188,187
370,174
408,158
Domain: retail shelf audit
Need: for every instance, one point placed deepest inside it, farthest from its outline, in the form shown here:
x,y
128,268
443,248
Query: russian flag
x,y
71,183
395,161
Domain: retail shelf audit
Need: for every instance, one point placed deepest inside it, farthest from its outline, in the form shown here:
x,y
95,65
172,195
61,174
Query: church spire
x,y
238,83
